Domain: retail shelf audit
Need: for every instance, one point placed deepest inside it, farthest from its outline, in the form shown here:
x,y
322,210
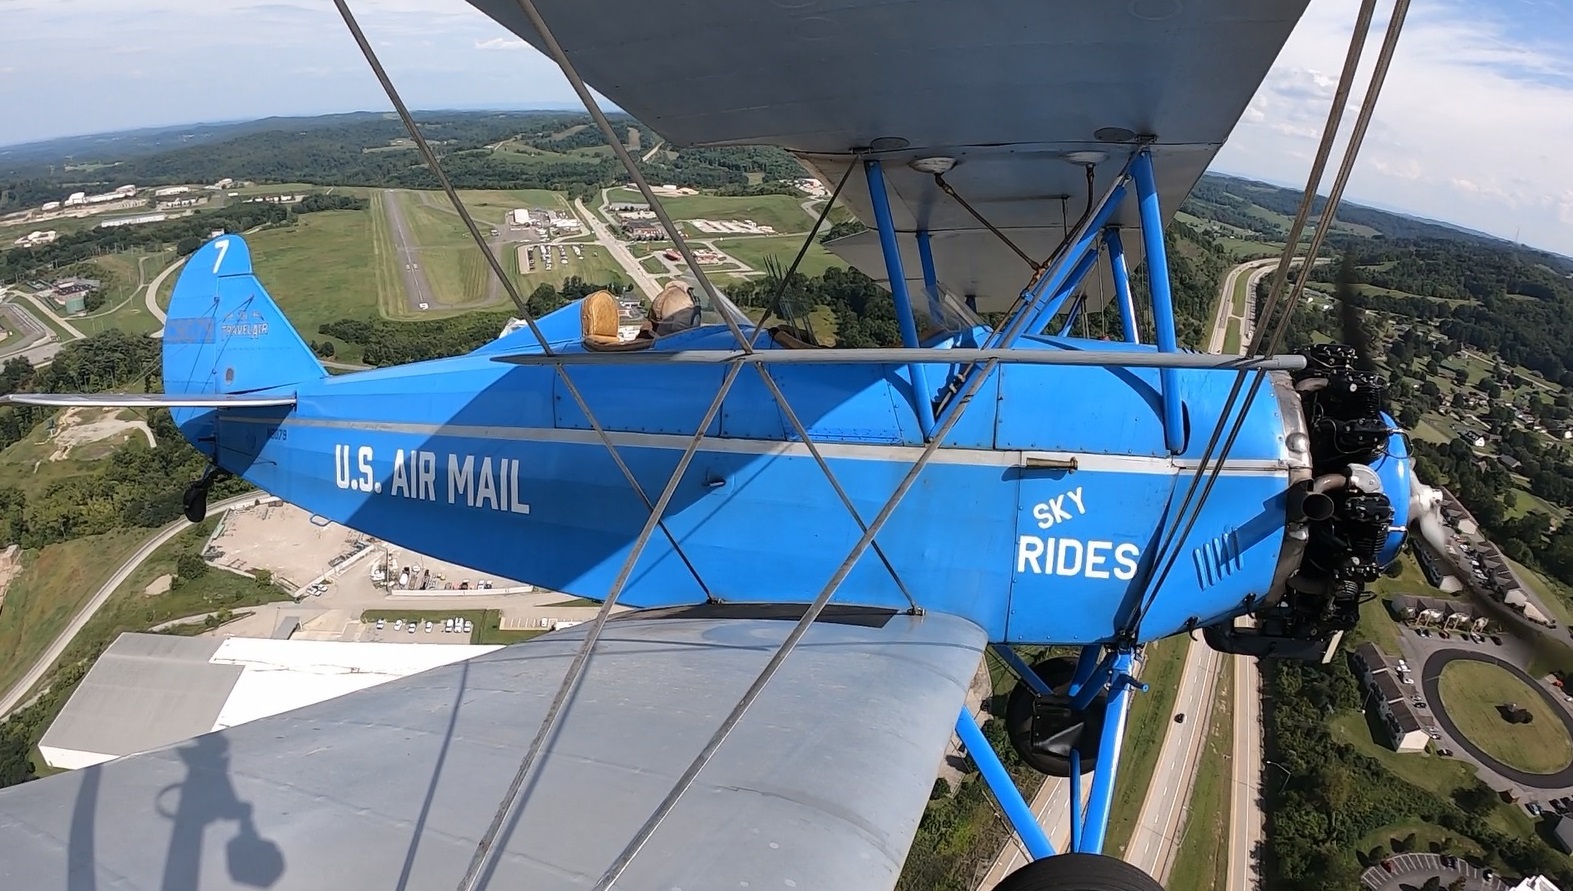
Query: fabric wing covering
x,y
1009,89
820,786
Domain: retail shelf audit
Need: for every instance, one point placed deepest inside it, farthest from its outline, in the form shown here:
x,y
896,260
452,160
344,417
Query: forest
x,y
1332,795
375,151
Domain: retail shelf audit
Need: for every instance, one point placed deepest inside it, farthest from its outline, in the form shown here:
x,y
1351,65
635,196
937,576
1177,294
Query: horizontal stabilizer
x,y
147,400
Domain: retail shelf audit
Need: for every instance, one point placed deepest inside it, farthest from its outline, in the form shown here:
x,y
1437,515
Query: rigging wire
x,y
555,50
774,307
430,157
686,781
1168,551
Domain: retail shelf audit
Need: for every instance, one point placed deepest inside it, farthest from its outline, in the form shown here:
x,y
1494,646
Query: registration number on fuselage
x,y
480,481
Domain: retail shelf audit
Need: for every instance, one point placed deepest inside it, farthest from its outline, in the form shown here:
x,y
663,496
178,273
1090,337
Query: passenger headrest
x,y
598,317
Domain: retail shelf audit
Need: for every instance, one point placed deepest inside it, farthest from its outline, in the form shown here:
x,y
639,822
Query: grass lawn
x,y
53,585
1428,837
487,623
1231,338
1148,722
1202,863
1241,282
322,269
780,211
752,253
1249,249
1472,691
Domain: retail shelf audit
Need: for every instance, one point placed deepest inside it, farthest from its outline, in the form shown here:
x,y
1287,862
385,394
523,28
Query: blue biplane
x,y
822,543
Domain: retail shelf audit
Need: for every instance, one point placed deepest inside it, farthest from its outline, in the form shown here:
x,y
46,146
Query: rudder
x,y
224,333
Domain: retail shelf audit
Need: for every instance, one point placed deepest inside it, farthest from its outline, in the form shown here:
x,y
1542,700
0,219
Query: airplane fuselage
x,y
493,466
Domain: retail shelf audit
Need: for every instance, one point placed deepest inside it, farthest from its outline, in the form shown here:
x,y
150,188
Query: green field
x,y
1241,282
321,269
781,211
1202,862
53,585
1231,338
1472,692
752,252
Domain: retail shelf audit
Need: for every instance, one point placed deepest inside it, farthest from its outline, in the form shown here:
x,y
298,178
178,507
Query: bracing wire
x,y
774,307
1168,550
430,157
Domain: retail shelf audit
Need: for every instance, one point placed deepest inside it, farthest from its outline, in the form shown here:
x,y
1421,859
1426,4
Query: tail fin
x,y
224,333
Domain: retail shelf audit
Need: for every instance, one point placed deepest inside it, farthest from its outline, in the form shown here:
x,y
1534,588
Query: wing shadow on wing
x,y
206,796
436,774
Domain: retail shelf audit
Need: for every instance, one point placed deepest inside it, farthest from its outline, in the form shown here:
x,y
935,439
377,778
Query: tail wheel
x,y
1045,729
1079,872
195,502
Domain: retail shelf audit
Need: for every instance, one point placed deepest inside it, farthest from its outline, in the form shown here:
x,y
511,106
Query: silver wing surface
x,y
820,786
1008,88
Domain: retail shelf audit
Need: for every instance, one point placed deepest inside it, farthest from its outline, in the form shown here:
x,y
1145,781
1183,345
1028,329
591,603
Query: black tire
x,y
195,502
1079,872
1023,705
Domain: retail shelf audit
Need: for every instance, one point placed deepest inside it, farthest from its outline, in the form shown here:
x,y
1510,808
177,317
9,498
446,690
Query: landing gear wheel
x,y
1078,872
1044,729
195,502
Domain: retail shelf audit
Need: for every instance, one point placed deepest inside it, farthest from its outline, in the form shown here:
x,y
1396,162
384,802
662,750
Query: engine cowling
x,y
1341,520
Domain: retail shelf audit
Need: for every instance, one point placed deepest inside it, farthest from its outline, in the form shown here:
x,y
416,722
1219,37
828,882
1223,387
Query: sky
x,y
1474,126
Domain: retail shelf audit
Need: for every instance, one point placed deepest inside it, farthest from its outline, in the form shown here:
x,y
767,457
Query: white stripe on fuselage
x,y
840,450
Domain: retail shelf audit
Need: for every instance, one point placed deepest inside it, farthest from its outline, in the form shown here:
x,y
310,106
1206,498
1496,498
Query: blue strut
x,y
923,396
1122,284
1162,299
1003,787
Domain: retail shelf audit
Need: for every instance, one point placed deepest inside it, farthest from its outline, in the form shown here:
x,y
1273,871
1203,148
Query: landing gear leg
x,y
1046,724
195,499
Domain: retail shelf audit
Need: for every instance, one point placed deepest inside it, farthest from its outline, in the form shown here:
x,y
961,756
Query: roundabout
x,y
1527,737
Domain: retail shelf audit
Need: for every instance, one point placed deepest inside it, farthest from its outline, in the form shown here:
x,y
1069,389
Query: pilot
x,y
673,310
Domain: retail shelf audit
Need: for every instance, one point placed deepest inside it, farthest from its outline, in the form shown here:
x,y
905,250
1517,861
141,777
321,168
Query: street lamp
x,y
1287,774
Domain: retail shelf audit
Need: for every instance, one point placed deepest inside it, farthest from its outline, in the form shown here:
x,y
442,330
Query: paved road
x,y
150,297
50,315
1247,829
1256,270
1162,822
14,696
1411,871
30,332
619,251
406,253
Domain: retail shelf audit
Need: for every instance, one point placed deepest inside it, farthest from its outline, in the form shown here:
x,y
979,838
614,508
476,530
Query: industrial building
x,y
148,691
36,238
134,221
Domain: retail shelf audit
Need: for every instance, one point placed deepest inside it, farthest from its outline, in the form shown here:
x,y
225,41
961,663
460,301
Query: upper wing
x,y
1005,87
821,785
148,400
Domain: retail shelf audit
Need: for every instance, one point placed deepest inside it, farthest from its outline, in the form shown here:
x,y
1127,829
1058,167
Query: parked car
x,y
1445,752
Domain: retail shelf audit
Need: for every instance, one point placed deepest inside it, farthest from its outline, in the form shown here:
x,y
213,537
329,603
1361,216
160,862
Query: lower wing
x,y
821,784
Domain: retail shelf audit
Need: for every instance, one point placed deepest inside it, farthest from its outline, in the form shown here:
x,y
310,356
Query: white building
x,y
76,198
170,190
50,205
36,238
134,221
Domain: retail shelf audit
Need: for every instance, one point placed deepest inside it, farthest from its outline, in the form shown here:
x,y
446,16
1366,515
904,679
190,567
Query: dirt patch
x,y
10,565
80,426
159,585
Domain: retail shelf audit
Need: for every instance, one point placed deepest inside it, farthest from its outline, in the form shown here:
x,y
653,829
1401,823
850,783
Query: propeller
x,y
1425,502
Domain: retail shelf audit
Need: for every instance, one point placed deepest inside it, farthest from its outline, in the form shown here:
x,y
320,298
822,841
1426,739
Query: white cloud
x,y
501,43
1466,130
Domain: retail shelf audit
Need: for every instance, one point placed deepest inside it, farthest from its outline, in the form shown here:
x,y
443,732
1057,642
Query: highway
x,y
618,250
1256,269
1247,827
16,695
1156,837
